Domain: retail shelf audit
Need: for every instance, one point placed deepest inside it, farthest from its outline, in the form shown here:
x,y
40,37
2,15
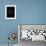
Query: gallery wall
x,y
27,12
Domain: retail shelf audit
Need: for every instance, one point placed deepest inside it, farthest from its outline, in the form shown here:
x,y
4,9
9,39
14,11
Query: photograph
x,y
10,12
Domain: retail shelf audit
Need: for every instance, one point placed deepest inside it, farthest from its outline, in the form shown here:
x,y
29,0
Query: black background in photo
x,y
10,12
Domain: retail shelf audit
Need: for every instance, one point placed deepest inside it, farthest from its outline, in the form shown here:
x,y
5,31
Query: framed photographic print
x,y
10,11
33,32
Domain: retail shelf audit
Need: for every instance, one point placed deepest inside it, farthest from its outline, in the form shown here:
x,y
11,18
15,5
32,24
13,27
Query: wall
x,y
27,12
6,26
31,11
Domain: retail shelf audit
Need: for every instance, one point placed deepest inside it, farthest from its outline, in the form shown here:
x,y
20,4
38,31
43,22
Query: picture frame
x,y
40,28
10,11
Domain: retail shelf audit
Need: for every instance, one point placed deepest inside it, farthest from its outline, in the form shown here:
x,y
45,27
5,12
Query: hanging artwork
x,y
10,12
32,32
